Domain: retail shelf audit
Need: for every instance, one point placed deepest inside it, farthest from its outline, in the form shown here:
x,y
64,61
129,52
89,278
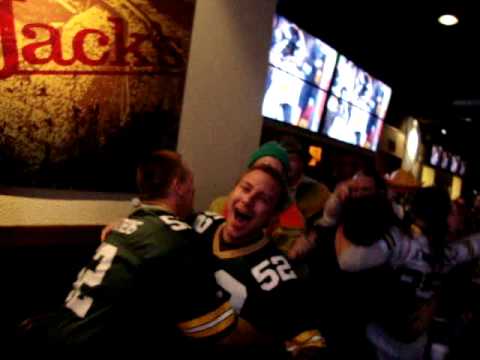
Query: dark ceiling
x,y
433,69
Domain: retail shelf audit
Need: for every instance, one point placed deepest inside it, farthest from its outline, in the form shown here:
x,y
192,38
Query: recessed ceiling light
x,y
448,20
468,119
443,131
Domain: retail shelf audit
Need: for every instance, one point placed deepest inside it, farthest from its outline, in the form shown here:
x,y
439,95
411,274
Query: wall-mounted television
x,y
436,155
348,123
445,161
356,106
463,167
300,72
360,89
455,164
293,101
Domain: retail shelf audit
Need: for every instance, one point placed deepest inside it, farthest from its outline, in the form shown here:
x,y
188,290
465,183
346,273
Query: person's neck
x,y
293,183
165,204
239,242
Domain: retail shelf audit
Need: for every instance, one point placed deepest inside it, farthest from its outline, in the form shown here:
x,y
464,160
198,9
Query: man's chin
x,y
231,233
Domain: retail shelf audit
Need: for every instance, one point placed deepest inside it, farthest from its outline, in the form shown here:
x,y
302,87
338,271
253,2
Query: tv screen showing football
x,y
300,72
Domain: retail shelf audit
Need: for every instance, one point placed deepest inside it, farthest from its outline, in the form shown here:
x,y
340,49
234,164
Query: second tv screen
x,y
348,123
293,101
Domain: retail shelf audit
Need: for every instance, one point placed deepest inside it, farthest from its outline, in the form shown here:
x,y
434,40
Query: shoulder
x,y
218,205
150,234
404,246
207,222
161,223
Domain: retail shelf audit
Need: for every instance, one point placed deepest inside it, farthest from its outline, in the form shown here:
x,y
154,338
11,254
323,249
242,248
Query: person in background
x,y
365,182
342,293
418,259
457,316
148,274
307,196
401,185
265,291
475,213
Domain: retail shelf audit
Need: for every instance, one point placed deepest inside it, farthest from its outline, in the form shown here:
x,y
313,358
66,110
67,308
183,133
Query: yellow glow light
x,y
428,176
316,153
456,189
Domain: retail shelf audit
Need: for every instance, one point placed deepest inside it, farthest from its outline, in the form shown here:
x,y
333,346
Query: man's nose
x,y
248,199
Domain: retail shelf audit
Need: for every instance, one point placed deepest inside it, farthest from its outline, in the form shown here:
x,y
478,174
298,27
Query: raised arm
x,y
353,257
333,205
463,250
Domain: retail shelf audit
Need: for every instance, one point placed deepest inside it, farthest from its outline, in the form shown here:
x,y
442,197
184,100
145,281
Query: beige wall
x,y
221,116
24,207
220,123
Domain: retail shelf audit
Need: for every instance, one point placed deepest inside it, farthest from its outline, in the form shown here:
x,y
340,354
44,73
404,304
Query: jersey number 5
x,y
78,302
269,277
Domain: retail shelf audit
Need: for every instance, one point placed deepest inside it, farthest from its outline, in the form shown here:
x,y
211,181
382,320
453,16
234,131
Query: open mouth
x,y
242,216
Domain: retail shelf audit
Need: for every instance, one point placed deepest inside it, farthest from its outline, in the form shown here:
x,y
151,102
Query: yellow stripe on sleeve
x,y
309,338
216,329
209,324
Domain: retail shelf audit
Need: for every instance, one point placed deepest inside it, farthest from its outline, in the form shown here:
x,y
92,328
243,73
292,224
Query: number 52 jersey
x,y
264,289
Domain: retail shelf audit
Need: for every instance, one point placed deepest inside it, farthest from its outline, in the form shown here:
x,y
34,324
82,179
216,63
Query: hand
x,y
108,229
302,246
343,190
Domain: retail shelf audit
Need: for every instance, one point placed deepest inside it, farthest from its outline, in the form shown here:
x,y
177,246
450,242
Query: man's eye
x,y
245,187
265,199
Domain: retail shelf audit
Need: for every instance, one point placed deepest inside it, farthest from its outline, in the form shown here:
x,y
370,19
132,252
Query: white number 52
x,y
271,271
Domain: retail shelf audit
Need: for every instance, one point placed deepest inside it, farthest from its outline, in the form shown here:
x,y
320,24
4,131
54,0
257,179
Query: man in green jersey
x,y
148,282
265,291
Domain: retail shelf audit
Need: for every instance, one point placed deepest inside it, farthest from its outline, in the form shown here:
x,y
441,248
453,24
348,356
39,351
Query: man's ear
x,y
176,186
341,241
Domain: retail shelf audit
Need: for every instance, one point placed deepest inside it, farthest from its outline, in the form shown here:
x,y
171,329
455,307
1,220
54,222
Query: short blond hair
x,y
156,172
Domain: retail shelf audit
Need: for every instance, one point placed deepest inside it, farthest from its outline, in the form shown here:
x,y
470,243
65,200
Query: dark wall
x,y
38,265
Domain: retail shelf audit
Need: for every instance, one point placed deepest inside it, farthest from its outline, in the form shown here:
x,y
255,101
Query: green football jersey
x,y
265,290
150,271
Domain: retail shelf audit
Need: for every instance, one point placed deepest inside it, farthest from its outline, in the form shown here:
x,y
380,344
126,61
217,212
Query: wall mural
x,y
87,87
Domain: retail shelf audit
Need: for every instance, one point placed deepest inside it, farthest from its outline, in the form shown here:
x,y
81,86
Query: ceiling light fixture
x,y
468,119
444,132
448,20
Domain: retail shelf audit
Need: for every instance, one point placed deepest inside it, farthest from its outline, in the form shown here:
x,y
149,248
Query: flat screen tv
x,y
293,101
445,161
356,107
463,167
455,164
300,72
360,89
348,123
436,155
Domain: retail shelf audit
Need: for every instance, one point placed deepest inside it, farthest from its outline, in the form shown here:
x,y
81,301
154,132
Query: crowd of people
x,y
281,267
